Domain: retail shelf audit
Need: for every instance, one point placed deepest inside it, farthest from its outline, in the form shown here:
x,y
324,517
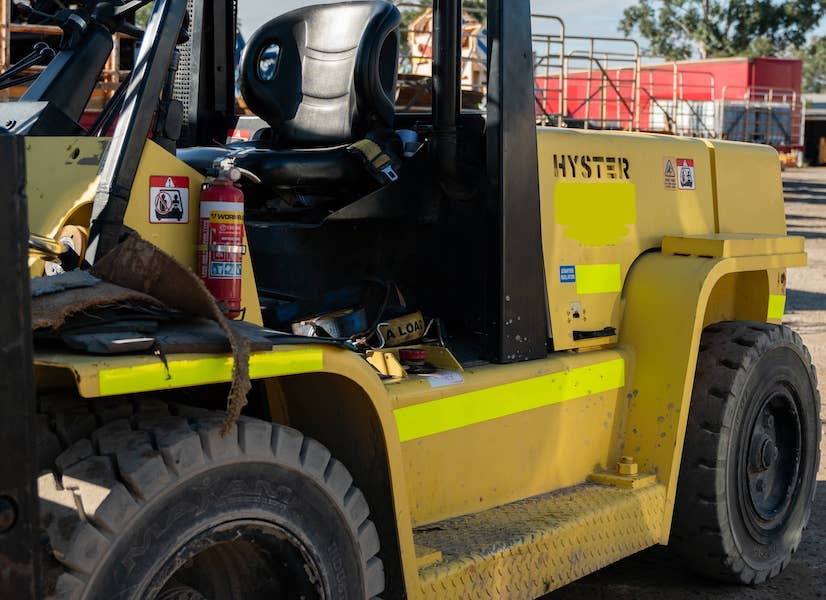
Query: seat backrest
x,y
324,75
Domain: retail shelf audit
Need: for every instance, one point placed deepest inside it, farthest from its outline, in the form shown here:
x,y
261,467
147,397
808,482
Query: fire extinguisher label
x,y
224,269
168,199
225,235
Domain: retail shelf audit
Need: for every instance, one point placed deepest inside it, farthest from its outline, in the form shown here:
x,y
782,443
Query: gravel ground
x,y
654,573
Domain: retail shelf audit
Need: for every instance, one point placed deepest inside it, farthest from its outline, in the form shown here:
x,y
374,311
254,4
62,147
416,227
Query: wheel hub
x,y
253,560
768,454
773,460
764,453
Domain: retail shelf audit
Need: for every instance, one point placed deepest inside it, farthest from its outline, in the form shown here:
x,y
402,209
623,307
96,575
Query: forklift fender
x,y
345,406
327,393
669,297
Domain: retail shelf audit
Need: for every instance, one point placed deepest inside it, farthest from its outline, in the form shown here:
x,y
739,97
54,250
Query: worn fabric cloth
x,y
144,268
50,310
40,286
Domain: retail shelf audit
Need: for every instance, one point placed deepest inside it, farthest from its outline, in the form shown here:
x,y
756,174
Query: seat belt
x,y
378,162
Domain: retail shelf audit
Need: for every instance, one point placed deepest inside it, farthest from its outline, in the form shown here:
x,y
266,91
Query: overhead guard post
x,y
120,164
19,522
517,300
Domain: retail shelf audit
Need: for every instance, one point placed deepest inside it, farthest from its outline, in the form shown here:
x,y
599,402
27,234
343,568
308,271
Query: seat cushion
x,y
312,170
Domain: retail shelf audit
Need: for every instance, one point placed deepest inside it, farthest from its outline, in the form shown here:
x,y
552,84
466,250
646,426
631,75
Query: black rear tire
x,y
163,506
751,453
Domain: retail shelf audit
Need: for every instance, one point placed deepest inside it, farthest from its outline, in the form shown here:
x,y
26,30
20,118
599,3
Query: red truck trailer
x,y
747,99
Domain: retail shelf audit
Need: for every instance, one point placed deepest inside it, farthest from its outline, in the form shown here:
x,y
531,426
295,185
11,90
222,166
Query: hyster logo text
x,y
590,167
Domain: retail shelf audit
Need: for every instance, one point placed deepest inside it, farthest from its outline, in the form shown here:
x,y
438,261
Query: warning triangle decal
x,y
669,169
171,184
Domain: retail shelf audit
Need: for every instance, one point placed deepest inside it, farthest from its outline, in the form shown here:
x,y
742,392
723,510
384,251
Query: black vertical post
x,y
517,313
19,527
206,78
447,59
223,62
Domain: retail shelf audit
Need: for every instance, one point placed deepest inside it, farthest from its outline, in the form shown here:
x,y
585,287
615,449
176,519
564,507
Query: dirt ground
x,y
655,574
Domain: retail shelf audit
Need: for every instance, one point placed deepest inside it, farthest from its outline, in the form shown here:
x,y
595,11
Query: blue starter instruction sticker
x,y
567,274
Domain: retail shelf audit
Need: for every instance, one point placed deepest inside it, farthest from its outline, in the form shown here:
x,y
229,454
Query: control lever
x,y
26,11
73,22
41,54
105,14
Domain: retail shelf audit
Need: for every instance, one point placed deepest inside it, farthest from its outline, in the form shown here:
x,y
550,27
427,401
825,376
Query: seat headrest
x,y
324,75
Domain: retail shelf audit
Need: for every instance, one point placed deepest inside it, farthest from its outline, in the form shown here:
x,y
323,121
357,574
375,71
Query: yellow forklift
x,y
460,356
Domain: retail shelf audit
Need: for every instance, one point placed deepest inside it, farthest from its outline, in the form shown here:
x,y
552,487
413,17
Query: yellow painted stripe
x,y
202,371
598,279
777,306
454,412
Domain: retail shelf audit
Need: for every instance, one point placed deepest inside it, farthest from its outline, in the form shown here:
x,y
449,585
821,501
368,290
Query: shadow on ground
x,y
806,192
809,235
655,574
797,300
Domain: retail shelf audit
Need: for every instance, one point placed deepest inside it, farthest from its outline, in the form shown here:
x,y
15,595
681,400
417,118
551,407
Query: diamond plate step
x,y
530,547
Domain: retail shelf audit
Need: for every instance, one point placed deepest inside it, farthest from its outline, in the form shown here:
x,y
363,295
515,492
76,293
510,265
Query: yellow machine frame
x,y
655,265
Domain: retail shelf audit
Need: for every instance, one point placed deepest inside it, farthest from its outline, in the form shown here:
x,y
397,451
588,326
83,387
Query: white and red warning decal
x,y
678,173
685,174
168,199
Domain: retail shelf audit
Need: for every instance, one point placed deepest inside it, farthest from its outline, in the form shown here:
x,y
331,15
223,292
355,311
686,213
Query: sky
x,y
588,18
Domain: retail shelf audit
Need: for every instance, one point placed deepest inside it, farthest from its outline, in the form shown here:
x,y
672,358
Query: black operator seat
x,y
323,77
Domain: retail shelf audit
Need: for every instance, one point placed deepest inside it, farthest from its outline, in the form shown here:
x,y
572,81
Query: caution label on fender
x,y
168,199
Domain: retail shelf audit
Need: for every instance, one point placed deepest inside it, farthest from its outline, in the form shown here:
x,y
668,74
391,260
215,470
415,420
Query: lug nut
x,y
627,466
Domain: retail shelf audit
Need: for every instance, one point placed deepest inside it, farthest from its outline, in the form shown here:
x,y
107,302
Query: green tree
x,y
142,14
683,28
814,65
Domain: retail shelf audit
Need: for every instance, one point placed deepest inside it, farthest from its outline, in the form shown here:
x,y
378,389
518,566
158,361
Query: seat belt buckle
x,y
377,162
389,172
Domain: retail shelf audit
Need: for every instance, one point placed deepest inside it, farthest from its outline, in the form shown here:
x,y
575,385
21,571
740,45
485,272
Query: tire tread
x,y
111,460
700,526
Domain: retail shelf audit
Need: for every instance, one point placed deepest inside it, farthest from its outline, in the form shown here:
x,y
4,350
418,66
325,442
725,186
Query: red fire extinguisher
x,y
221,239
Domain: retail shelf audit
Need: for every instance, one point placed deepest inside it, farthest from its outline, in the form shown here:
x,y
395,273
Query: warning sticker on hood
x,y
678,173
685,174
168,199
670,173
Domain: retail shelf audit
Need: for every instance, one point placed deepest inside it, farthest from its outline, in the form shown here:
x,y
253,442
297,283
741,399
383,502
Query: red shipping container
x,y
750,99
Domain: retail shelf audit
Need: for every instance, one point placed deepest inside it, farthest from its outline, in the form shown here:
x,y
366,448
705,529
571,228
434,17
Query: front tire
x,y
751,453
164,507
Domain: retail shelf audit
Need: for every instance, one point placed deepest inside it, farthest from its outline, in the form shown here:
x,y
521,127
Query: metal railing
x,y
761,114
603,83
585,81
682,103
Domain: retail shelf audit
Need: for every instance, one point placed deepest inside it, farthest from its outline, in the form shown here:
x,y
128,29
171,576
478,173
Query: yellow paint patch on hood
x,y
595,214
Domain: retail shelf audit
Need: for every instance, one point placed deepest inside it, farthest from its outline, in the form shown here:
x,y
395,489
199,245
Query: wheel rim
x,y
247,559
770,462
